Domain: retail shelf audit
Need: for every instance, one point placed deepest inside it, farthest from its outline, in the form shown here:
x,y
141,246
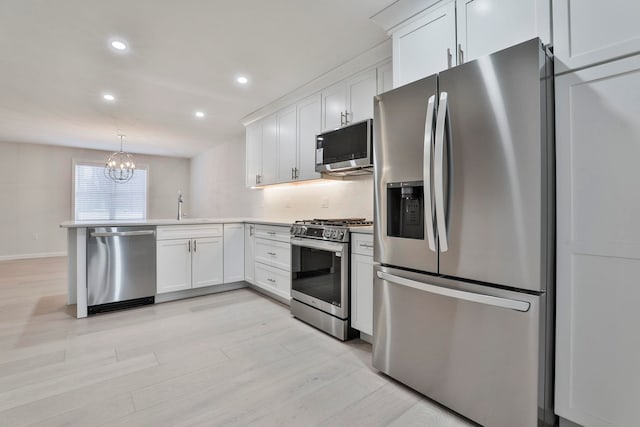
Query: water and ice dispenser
x,y
405,209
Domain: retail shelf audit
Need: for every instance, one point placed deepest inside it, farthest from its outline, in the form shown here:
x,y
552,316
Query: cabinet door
x,y
362,293
425,46
385,77
207,262
274,280
362,88
334,105
233,253
309,125
487,26
598,244
269,150
173,265
287,145
249,253
253,153
587,32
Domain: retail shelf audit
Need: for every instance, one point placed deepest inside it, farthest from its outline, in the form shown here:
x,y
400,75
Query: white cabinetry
x,y
587,32
385,77
253,154
362,282
233,253
249,253
487,26
287,145
188,257
206,262
173,260
269,150
426,43
309,125
425,46
598,242
349,101
272,261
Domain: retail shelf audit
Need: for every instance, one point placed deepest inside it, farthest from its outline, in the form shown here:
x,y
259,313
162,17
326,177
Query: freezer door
x,y
498,169
473,348
404,120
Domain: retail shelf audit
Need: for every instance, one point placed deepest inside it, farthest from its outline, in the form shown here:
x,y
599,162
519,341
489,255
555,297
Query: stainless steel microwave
x,y
345,150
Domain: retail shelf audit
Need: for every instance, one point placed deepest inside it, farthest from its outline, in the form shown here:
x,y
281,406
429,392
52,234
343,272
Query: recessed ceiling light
x,y
119,45
199,114
242,80
109,97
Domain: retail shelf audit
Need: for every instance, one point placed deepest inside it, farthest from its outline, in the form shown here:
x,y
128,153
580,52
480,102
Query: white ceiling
x,y
56,62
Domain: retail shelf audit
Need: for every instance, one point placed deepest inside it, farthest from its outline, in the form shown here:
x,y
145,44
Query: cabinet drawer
x,y
273,232
275,254
188,231
273,279
362,244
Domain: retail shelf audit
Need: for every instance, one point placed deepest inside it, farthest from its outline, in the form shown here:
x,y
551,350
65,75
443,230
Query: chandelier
x,y
120,166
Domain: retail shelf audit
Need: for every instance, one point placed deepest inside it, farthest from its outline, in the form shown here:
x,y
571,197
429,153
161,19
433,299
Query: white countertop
x,y
185,221
363,230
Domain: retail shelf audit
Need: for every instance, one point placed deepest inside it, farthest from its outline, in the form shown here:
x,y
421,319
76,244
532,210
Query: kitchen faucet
x,y
180,200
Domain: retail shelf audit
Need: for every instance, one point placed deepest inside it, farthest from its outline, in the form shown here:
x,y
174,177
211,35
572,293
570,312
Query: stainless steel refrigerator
x,y
464,237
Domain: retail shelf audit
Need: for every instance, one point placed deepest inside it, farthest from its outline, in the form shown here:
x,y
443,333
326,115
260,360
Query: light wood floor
x,y
235,358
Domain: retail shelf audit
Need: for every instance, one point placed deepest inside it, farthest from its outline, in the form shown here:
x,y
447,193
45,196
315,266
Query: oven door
x,y
320,275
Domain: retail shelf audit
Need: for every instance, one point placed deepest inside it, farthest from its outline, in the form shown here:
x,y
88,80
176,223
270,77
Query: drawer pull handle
x,y
365,245
271,233
271,280
271,253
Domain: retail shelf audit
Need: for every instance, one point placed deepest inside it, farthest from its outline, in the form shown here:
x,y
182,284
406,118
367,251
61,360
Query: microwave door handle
x,y
426,163
438,172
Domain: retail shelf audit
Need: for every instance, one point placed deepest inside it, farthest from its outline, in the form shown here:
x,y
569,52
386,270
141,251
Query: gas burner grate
x,y
337,222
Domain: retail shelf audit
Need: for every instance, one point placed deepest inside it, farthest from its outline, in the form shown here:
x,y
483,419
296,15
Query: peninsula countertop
x,y
185,221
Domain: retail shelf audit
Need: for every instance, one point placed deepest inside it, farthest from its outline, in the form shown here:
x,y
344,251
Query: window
x,y
99,198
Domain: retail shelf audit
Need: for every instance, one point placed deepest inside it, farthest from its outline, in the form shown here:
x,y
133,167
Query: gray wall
x,y
36,194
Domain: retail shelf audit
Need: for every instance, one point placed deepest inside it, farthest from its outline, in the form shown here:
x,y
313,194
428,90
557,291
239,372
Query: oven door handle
x,y
319,244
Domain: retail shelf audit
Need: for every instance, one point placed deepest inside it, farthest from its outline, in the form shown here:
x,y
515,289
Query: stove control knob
x,y
334,234
341,235
326,234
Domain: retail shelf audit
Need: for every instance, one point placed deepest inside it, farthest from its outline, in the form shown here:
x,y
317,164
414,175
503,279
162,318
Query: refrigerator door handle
x,y
438,172
426,162
511,304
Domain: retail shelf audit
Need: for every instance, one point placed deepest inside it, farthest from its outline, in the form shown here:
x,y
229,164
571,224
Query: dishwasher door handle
x,y
123,233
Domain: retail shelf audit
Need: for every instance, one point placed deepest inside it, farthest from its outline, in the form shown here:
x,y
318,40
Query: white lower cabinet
x,y
250,253
274,279
272,261
206,262
189,261
173,260
598,244
233,253
362,282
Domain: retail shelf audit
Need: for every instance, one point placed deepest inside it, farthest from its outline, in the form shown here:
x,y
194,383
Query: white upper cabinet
x,y
253,153
598,244
361,89
281,147
287,145
587,32
487,26
309,125
269,150
425,46
334,106
426,43
385,77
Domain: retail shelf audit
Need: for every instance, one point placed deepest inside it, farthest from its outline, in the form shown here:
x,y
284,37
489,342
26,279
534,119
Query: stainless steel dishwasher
x,y
121,267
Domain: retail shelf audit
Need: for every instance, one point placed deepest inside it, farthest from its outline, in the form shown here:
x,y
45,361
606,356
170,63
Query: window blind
x,y
99,198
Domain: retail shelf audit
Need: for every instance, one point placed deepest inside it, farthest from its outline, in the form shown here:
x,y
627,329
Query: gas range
x,y
333,230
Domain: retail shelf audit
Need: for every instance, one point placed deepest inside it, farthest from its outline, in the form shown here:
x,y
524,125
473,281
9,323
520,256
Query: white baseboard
x,y
32,256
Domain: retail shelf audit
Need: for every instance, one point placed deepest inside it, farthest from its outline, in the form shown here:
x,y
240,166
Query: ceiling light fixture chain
x,y
120,165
